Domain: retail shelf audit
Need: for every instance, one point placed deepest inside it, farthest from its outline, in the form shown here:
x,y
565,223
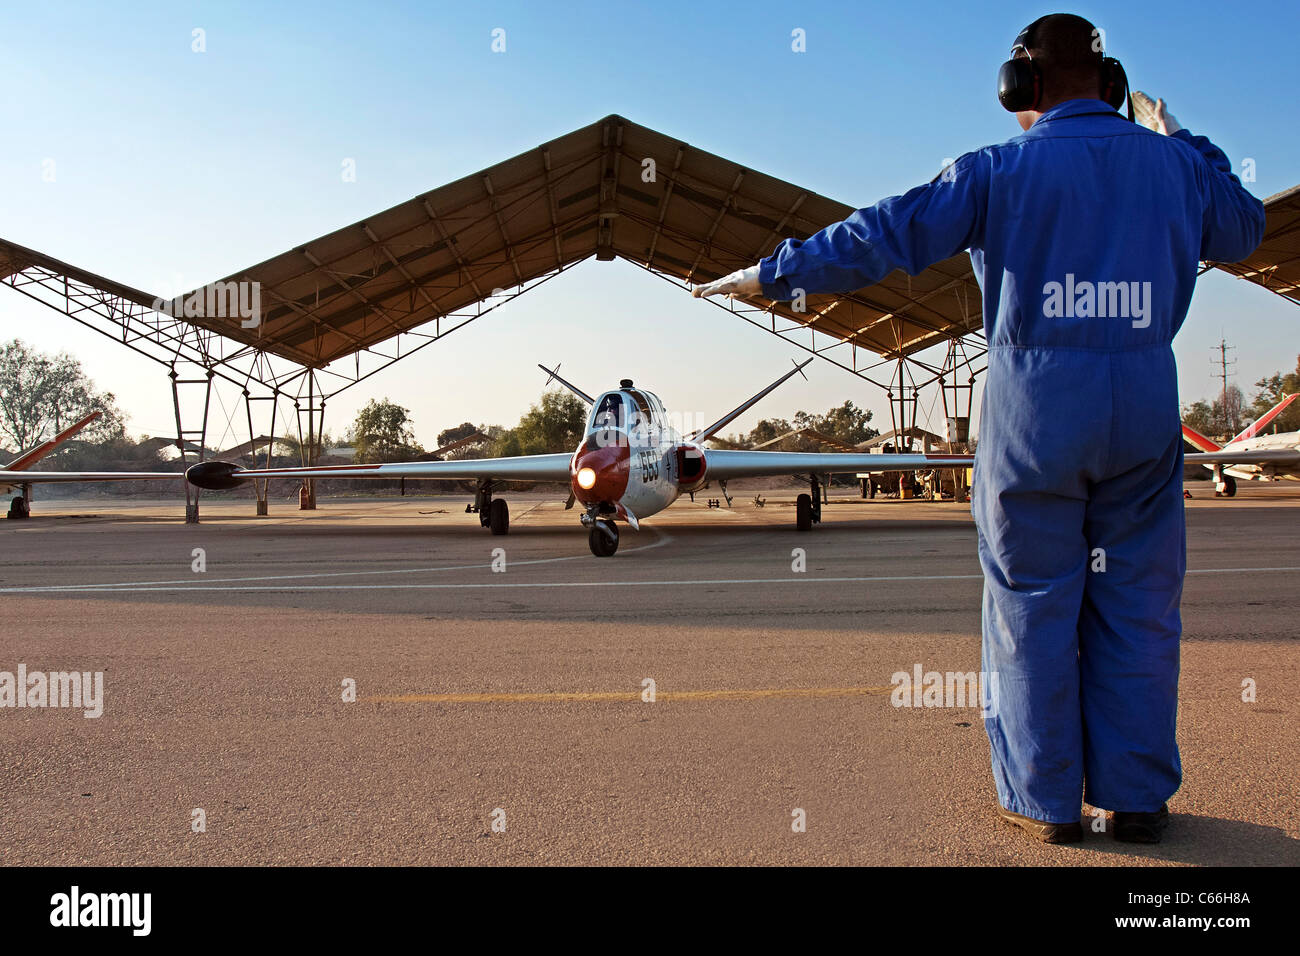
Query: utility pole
x,y
1231,426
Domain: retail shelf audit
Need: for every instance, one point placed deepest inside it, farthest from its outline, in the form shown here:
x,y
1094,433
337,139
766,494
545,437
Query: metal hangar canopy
x,y
1275,264
609,190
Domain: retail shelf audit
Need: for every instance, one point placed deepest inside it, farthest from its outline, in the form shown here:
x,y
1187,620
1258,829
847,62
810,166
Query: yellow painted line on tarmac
x,y
628,696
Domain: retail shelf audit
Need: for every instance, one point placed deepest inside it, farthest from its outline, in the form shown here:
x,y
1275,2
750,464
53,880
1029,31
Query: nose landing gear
x,y
602,533
603,537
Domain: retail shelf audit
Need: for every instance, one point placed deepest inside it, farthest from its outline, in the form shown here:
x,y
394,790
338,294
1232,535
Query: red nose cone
x,y
609,470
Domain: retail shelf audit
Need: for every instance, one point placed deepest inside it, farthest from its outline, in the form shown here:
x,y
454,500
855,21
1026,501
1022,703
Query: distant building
x,y
909,439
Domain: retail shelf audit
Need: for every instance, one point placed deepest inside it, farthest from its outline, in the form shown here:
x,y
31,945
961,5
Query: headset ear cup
x,y
1019,85
1114,82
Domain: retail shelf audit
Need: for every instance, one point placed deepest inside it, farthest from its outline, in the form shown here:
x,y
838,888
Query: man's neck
x,y
1065,98
1028,118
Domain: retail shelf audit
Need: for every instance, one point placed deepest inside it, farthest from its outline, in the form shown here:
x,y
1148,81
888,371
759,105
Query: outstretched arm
x,y
1232,222
912,232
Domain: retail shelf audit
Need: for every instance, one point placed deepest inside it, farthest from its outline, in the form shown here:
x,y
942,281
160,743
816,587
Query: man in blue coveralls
x,y
1085,234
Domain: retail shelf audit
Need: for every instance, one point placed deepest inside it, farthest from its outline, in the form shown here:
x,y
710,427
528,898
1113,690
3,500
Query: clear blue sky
x,y
173,168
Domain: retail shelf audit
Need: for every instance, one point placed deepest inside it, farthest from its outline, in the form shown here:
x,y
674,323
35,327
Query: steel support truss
x,y
901,373
200,363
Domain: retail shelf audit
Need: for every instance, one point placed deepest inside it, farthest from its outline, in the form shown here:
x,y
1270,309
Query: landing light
x,y
586,478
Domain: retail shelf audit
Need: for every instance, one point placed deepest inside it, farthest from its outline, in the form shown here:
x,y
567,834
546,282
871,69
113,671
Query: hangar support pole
x,y
958,400
902,396
186,437
958,395
309,441
260,485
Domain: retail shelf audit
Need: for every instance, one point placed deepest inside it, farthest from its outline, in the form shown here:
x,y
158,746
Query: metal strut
x,y
185,437
482,505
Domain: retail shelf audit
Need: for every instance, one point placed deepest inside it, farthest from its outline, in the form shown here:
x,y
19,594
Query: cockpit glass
x,y
610,413
643,406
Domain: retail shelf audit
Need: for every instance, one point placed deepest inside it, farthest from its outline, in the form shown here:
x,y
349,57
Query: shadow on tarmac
x,y
1207,841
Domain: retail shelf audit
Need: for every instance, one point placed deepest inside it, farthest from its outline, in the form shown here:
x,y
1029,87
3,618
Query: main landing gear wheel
x,y
18,508
603,538
803,513
499,516
1229,487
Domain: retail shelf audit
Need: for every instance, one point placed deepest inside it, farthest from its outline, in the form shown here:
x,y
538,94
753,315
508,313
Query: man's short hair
x,y
1068,49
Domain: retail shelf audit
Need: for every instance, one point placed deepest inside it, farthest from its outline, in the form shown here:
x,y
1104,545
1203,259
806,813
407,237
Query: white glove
x,y
740,282
1153,115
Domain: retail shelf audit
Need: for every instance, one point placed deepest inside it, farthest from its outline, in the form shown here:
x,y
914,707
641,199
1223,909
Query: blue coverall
x,y
1077,491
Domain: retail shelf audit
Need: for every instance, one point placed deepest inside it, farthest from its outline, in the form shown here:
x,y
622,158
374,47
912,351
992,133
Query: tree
x,y
291,447
1200,417
1231,413
449,435
382,431
846,422
1271,391
553,425
508,446
766,430
40,395
477,449
1215,420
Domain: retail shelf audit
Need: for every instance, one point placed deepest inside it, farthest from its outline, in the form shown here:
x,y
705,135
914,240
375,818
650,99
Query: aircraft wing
x,y
11,477
721,464
1258,456
217,475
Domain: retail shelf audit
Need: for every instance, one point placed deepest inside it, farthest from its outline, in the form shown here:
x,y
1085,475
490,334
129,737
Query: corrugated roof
x,y
693,216
1276,263
15,258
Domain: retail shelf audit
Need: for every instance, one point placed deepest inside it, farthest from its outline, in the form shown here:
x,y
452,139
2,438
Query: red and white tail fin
x,y
1259,424
1198,440
27,459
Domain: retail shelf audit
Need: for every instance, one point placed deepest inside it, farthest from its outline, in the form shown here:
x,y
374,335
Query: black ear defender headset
x,y
1020,79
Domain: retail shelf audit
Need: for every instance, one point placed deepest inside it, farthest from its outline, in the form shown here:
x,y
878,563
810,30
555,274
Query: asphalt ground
x,y
499,714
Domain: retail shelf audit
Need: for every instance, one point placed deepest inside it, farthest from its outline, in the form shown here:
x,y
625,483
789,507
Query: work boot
x,y
1141,827
1043,831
